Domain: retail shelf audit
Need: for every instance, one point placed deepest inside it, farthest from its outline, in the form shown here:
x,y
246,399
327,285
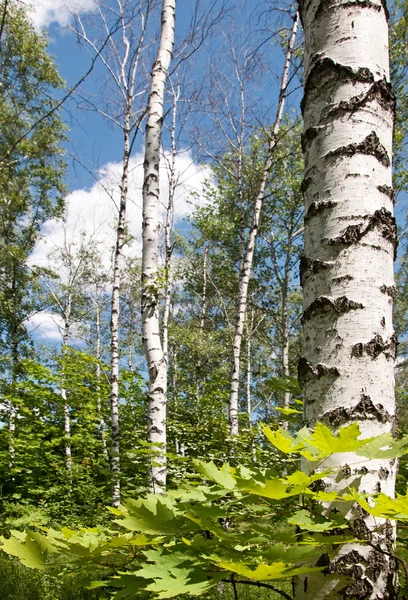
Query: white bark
x,y
117,278
167,229
347,369
102,423
67,418
245,272
157,364
204,293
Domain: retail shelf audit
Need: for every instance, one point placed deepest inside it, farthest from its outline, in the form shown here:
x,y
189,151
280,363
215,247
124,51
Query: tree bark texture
x,y
102,423
347,367
117,279
167,231
157,364
246,267
67,417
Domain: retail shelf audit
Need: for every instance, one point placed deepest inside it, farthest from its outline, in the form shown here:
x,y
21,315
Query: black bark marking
x,y
390,290
309,267
153,372
364,410
375,347
308,136
325,6
350,565
371,146
318,207
380,90
383,473
323,304
388,191
307,371
305,184
324,67
324,563
342,278
382,219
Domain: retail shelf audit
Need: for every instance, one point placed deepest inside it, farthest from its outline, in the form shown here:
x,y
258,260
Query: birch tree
x,y
246,266
157,364
121,57
347,367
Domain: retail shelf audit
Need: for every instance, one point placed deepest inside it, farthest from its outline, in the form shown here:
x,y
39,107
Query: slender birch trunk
x,y
67,418
157,364
102,423
204,293
249,329
245,272
117,279
167,231
12,407
347,368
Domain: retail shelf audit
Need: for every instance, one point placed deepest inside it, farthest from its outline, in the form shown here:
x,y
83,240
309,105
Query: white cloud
x,y
46,325
45,12
92,214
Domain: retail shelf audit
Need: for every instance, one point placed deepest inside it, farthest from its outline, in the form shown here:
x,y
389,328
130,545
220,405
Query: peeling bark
x,y
371,146
324,305
307,371
365,409
310,267
375,347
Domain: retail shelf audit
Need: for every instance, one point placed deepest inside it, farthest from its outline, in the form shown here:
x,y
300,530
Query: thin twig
x,y
234,587
264,585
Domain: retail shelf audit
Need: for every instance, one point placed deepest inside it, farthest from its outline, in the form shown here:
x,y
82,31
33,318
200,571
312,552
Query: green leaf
x,y
289,411
282,440
224,476
384,446
30,553
265,572
152,515
304,520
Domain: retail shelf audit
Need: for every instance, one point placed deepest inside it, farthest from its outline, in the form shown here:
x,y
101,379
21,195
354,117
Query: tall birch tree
x,y
123,30
246,263
157,363
347,368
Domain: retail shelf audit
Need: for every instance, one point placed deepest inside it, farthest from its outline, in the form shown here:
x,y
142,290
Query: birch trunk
x,y
347,368
204,294
117,279
157,364
245,272
167,232
67,418
12,407
102,423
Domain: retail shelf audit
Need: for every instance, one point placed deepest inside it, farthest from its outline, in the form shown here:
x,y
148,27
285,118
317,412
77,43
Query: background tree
x,y
31,187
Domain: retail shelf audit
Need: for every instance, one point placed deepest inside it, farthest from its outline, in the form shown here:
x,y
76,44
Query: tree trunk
x,y
245,272
347,368
117,279
67,418
157,364
167,232
102,423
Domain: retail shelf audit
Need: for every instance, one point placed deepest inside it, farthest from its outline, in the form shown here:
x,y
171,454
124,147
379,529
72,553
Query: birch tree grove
x,y
347,368
157,363
246,267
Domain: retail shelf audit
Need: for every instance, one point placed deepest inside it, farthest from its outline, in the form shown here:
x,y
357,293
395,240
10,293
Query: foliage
x,y
180,543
